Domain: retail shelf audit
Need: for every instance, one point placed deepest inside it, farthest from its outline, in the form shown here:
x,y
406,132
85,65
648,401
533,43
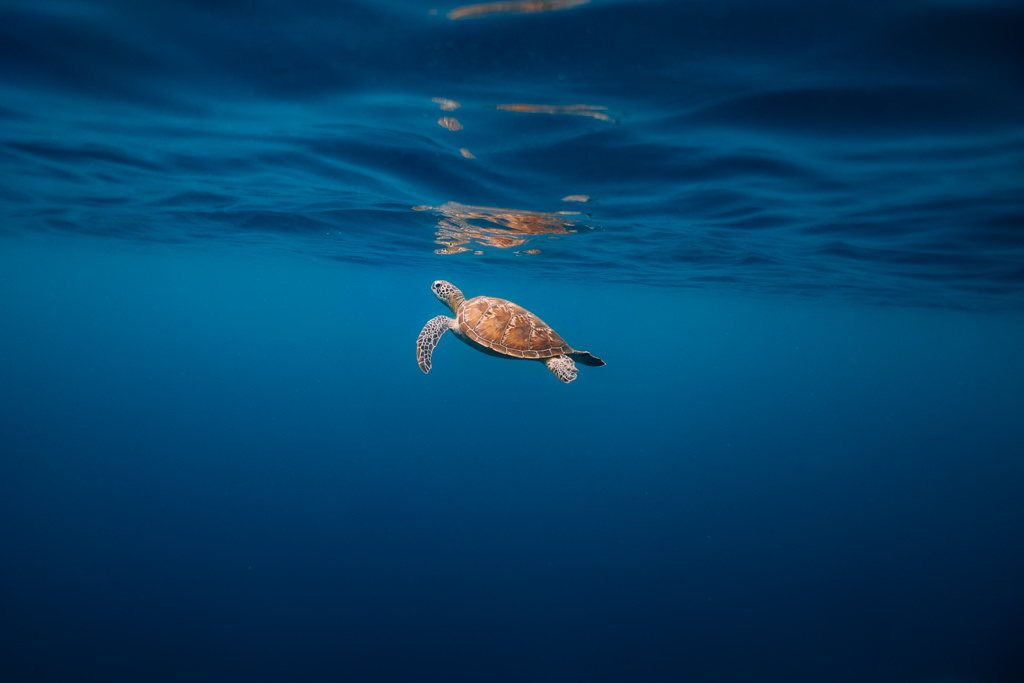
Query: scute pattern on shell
x,y
509,329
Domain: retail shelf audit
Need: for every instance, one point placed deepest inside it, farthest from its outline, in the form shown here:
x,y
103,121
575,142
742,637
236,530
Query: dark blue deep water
x,y
794,231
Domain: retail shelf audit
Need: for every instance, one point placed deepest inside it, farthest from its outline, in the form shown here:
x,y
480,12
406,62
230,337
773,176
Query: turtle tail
x,y
586,358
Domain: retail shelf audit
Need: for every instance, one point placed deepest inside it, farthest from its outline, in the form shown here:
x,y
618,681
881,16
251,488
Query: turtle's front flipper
x,y
428,339
563,367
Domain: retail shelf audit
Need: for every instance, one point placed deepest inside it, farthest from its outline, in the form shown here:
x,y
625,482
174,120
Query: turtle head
x,y
448,294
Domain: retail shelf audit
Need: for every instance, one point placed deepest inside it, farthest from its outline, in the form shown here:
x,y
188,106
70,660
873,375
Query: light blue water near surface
x,y
800,254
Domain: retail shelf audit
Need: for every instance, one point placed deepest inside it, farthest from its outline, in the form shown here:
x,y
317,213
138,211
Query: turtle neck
x,y
455,300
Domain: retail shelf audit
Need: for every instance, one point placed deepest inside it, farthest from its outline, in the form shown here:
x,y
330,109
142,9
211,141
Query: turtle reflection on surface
x,y
592,110
512,7
510,227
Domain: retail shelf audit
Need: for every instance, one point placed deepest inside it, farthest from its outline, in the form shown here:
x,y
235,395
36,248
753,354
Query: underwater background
x,y
794,231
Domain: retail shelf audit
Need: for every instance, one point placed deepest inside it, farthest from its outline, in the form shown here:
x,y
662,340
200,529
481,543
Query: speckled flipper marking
x,y
563,367
428,339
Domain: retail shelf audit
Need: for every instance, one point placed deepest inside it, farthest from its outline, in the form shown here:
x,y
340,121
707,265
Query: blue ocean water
x,y
795,233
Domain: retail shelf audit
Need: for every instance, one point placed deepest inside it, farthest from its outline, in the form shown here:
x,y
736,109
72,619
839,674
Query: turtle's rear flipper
x,y
428,339
563,367
586,358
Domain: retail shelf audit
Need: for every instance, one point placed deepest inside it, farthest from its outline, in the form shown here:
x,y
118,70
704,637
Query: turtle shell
x,y
509,329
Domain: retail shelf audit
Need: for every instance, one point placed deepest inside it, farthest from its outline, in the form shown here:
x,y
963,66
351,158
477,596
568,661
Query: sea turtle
x,y
499,328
